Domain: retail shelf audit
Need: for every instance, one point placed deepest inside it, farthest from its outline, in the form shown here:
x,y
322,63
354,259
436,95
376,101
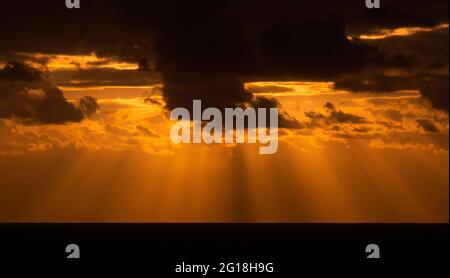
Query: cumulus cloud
x,y
284,119
121,125
25,93
332,116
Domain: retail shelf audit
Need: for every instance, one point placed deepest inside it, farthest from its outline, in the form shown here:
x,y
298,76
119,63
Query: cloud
x,y
152,100
206,50
437,93
88,105
313,48
146,131
416,62
424,51
332,116
203,59
284,119
391,16
25,93
389,113
123,28
427,125
269,89
121,125
82,78
196,63
433,88
206,61
375,83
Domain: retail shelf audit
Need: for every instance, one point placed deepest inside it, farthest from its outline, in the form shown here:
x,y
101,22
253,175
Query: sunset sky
x,y
363,98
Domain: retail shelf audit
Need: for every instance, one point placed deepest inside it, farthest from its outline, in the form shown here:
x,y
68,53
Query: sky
x,y
85,98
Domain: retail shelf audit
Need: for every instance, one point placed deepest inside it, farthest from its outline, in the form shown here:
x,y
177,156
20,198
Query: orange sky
x,y
120,166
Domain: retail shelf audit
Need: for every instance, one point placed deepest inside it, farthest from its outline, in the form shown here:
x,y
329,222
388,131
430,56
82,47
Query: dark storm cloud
x,y
315,48
437,93
207,60
207,49
203,60
25,93
49,27
128,28
393,14
423,59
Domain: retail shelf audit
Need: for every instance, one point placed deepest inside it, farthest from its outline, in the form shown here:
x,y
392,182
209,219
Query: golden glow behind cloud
x,y
293,88
60,62
402,32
